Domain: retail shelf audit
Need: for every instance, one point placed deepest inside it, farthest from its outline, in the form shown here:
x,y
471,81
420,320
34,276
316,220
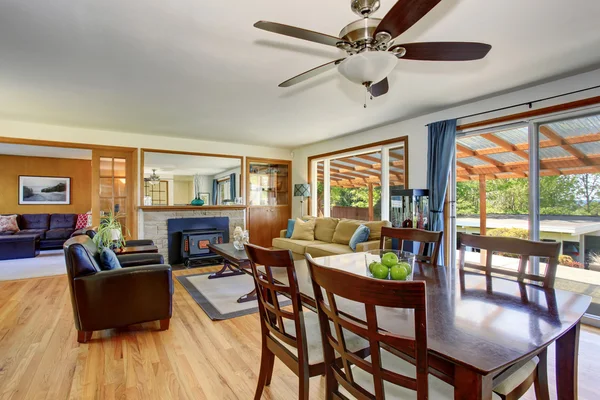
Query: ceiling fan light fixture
x,y
368,67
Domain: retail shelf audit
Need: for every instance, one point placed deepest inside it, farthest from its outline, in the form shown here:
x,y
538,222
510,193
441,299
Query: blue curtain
x,y
441,142
232,187
215,192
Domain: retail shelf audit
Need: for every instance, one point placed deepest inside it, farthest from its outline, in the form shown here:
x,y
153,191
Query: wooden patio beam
x,y
561,142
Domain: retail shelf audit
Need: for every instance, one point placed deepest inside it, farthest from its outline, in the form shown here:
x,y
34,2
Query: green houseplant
x,y
110,232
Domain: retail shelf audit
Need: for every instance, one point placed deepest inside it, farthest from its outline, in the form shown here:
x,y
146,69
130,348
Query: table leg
x,y
469,385
567,347
248,297
227,270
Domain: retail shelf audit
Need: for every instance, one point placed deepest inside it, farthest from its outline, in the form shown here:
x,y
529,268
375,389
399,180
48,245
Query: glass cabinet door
x,y
269,184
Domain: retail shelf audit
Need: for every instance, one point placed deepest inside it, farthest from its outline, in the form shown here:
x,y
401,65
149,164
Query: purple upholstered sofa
x,y
54,229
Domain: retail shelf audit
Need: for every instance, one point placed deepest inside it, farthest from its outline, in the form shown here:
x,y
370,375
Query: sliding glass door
x,y
538,180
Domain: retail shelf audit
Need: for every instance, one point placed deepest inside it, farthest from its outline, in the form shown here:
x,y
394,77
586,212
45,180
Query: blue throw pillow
x,y
361,234
290,228
109,260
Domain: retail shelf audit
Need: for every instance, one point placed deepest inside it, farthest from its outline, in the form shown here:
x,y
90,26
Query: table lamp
x,y
301,190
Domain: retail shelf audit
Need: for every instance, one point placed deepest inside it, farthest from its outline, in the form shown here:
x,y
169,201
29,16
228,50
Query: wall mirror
x,y
180,179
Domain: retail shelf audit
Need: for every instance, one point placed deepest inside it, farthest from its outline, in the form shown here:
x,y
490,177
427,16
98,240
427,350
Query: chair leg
x,y
84,336
164,324
304,381
267,359
541,378
331,385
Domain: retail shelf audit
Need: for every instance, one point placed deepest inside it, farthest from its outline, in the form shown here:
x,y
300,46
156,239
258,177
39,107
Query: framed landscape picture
x,y
44,190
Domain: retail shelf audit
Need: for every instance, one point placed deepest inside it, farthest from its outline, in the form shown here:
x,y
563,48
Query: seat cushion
x,y
31,232
375,228
327,249
60,233
344,230
296,246
35,221
7,233
58,221
515,379
438,389
313,334
324,228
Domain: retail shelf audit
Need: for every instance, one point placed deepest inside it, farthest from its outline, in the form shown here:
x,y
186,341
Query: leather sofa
x,y
331,237
53,229
140,291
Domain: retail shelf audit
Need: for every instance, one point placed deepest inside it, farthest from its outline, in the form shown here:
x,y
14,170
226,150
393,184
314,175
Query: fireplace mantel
x,y
191,208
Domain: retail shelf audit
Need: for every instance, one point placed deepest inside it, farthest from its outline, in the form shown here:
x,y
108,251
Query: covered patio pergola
x,y
566,148
364,171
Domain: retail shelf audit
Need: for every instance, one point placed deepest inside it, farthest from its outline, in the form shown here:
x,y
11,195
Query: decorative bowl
x,y
390,265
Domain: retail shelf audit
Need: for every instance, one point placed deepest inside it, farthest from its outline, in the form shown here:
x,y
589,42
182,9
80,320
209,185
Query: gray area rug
x,y
218,297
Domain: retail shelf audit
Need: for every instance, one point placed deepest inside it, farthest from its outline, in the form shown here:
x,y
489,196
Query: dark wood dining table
x,y
478,325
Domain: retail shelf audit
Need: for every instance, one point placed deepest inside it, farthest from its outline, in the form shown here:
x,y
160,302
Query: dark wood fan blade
x,y
298,33
404,14
444,51
379,88
311,73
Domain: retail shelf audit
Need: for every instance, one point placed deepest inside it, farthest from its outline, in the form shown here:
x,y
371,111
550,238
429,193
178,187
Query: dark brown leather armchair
x,y
139,292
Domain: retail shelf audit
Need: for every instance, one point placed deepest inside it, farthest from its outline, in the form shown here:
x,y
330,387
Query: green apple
x,y
373,265
389,259
398,272
405,265
380,271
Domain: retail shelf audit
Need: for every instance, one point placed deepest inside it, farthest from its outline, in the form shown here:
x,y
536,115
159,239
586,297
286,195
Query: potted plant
x,y
110,232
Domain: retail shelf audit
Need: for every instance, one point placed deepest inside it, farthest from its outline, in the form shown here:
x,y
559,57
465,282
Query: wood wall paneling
x,y
80,172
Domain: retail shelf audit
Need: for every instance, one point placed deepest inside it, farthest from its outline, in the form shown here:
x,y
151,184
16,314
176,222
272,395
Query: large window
x,y
356,184
540,181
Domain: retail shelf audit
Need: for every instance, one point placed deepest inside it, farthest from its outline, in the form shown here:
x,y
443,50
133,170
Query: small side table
x,y
138,250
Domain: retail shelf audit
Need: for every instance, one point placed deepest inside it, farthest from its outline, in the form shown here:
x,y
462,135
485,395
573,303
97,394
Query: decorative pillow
x,y
304,230
344,231
375,228
82,220
290,228
109,260
324,229
8,223
360,235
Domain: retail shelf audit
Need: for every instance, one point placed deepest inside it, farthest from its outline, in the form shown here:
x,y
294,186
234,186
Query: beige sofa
x,y
332,236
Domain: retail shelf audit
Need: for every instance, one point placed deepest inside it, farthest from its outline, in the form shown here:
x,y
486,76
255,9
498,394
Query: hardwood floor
x,y
195,359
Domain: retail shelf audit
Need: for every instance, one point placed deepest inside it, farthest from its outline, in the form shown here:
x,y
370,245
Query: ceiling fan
x,y
369,43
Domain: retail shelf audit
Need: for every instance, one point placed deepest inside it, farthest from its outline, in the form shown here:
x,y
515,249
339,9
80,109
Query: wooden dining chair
x,y
515,381
416,235
293,335
382,374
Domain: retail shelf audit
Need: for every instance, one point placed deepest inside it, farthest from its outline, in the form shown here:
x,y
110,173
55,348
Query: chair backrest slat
x,y
415,235
372,293
272,316
521,247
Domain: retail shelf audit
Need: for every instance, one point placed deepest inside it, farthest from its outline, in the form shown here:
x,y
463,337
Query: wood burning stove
x,y
194,244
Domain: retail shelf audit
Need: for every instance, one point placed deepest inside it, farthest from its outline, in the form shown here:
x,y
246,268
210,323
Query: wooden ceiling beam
x,y
506,145
561,142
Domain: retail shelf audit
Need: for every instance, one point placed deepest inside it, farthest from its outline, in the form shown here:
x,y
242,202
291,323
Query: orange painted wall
x,y
80,172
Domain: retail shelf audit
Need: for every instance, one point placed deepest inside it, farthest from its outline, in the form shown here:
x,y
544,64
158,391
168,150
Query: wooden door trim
x,y
70,145
132,166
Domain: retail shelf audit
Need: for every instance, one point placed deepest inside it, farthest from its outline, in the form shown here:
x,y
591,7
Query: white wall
x,y
28,130
416,130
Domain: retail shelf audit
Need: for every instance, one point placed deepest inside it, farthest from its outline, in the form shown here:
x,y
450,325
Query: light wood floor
x,y
195,359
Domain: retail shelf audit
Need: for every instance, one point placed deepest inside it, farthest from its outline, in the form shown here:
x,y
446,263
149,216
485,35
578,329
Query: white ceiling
x,y
181,164
199,69
44,151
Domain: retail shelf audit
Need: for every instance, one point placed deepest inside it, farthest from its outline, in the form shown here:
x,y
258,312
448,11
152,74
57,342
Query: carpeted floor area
x,y
47,263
